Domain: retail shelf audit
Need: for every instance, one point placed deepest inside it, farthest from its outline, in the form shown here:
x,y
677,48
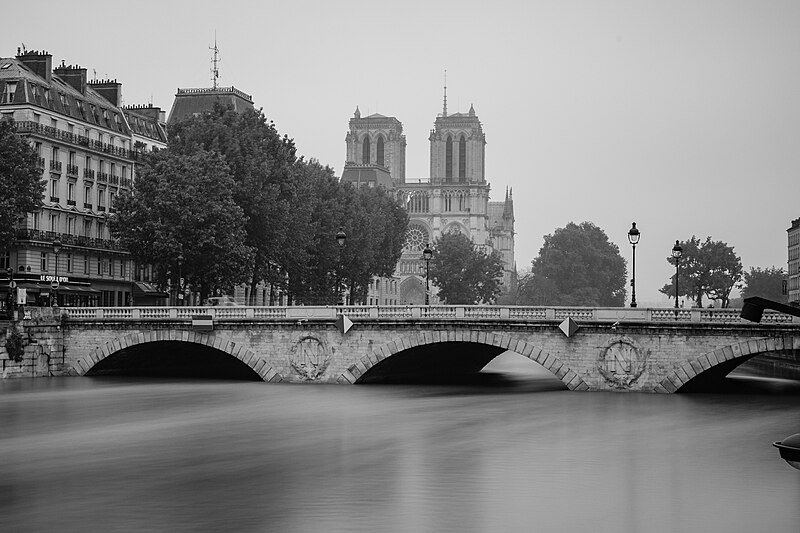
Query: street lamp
x,y
677,250
179,297
341,237
56,249
11,299
427,254
633,238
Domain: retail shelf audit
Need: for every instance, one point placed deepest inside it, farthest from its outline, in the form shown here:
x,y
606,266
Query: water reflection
x,y
514,452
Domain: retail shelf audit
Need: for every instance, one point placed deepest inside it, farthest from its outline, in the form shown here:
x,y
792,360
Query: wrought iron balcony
x,y
72,170
102,176
67,239
70,202
55,166
27,126
88,174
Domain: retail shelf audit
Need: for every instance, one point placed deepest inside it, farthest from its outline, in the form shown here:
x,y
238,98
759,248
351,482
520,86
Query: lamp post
x,y
11,299
56,249
677,250
341,237
633,238
179,297
427,255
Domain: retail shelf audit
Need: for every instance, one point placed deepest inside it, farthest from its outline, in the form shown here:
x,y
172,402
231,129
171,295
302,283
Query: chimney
x,y
147,111
40,63
108,89
73,75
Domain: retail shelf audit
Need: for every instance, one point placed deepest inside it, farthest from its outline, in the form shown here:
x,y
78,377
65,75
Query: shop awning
x,y
148,289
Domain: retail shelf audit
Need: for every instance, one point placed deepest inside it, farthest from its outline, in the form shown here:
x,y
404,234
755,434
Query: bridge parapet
x,y
432,312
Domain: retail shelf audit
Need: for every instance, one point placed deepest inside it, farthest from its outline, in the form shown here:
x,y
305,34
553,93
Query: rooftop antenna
x,y
94,73
214,66
24,49
444,111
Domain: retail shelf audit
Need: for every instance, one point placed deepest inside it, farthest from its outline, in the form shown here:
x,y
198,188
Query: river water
x,y
513,453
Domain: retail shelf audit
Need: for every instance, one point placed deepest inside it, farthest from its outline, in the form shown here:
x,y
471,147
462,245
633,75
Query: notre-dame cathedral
x,y
455,198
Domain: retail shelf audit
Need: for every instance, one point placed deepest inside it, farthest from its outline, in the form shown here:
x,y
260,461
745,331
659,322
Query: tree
x,y
766,282
577,265
21,182
462,273
262,164
181,214
707,268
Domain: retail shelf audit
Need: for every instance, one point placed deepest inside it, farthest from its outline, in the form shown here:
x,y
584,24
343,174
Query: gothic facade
x,y
454,198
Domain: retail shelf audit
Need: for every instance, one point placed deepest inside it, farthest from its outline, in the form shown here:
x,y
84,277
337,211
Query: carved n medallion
x,y
310,358
621,362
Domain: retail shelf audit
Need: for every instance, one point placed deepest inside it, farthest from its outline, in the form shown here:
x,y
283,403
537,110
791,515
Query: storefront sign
x,y
60,279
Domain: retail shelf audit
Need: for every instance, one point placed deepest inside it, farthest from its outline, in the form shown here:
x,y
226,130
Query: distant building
x,y
193,102
455,198
85,142
793,283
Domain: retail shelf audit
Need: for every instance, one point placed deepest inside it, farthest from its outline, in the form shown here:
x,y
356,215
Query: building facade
x,y
64,253
454,198
793,282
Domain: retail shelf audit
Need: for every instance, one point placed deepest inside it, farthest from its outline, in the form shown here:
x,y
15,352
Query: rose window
x,y
416,238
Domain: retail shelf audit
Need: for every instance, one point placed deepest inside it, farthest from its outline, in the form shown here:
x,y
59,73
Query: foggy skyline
x,y
683,117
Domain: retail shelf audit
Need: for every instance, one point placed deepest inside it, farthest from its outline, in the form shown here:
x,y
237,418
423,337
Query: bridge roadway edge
x,y
670,354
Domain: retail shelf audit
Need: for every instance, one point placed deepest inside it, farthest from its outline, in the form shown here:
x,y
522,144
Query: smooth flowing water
x,y
117,454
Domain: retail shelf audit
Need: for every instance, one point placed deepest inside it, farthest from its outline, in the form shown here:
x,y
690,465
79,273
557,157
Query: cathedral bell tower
x,y
377,140
458,147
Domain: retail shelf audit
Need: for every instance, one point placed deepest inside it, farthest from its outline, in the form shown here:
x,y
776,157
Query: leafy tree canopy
x,y
462,273
577,265
21,182
706,268
766,283
182,216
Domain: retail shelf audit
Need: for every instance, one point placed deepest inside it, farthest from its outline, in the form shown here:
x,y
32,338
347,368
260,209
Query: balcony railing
x,y
54,199
27,126
55,166
67,239
88,174
72,170
113,180
40,162
102,176
70,202
87,205
101,208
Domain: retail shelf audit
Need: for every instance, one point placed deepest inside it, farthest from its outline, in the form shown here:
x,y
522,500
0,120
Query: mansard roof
x,y
193,102
32,89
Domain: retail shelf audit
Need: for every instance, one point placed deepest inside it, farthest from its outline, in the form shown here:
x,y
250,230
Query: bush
x,y
14,346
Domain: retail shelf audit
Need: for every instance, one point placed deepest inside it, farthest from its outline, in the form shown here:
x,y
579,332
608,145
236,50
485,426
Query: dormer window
x,y
8,93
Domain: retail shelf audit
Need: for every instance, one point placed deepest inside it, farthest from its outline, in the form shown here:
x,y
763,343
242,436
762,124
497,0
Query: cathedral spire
x,y
357,113
444,110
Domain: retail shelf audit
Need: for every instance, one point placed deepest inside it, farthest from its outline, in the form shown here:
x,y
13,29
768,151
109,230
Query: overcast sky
x,y
683,116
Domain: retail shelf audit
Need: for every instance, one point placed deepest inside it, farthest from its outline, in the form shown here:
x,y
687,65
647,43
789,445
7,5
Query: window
x,y
365,151
55,153
111,197
87,228
101,198
69,263
53,222
36,220
380,150
8,93
462,158
86,264
53,190
43,264
71,193
122,268
38,147
72,157
113,169
88,162
448,158
87,196
71,225
5,260
101,230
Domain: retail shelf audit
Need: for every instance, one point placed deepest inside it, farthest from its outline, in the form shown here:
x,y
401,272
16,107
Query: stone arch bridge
x,y
613,349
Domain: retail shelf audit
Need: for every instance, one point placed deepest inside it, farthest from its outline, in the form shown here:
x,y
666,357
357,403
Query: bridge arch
x,y
716,364
502,341
85,363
